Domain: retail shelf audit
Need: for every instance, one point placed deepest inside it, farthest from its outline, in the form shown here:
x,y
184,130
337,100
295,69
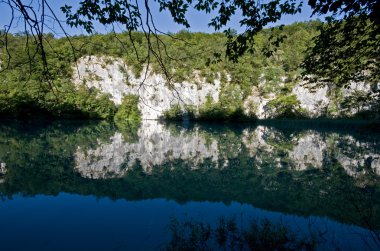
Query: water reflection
x,y
327,173
3,170
155,146
266,146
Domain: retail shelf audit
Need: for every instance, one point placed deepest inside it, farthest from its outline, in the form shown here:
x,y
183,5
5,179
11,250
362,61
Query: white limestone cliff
x,y
315,102
114,77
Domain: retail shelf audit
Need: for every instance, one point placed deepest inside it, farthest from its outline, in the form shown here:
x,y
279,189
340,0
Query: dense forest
x,y
24,90
28,87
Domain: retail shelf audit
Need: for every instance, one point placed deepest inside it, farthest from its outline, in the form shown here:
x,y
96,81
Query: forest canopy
x,y
350,39
21,87
344,48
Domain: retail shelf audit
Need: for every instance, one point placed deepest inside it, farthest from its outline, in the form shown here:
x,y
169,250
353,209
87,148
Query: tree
x,y
348,47
350,38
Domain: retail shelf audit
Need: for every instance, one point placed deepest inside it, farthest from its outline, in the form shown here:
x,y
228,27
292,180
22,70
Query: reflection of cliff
x,y
254,165
3,171
312,149
266,146
298,152
308,151
156,145
356,157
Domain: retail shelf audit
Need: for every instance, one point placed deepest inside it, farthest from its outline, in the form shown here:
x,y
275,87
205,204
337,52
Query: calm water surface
x,y
93,186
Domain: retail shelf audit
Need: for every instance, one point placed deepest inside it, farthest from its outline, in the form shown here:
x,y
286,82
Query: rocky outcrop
x,y
314,102
113,77
256,104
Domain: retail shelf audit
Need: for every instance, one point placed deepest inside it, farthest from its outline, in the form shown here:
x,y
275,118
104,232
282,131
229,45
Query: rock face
x,y
314,102
112,76
157,145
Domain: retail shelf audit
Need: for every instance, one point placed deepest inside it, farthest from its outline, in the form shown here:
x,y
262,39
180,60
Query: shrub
x,y
128,110
286,106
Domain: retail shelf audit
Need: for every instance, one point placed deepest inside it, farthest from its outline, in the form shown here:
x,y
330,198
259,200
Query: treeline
x,y
30,85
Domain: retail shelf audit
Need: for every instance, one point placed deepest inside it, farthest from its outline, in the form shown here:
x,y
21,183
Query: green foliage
x,y
84,102
128,110
254,18
346,50
23,90
229,106
286,106
365,105
174,113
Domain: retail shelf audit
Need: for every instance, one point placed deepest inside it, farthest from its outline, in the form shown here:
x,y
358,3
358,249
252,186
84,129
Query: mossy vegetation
x,y
27,86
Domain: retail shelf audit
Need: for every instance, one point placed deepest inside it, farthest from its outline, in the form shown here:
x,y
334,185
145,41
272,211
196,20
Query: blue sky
x,y
198,21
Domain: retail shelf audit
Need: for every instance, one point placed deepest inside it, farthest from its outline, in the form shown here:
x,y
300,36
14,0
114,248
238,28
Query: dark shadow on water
x,y
234,233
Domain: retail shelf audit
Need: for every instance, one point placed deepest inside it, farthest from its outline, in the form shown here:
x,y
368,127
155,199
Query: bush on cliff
x,y
128,110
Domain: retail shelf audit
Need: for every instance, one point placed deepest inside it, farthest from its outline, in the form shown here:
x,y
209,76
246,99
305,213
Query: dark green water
x,y
90,186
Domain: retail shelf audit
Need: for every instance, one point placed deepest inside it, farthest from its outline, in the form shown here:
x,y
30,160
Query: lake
x,y
75,185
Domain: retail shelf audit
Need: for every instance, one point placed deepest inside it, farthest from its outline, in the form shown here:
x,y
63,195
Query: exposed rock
x,y
353,87
255,105
112,76
315,102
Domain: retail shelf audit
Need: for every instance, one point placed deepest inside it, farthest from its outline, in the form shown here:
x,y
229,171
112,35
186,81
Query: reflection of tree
x,y
39,156
367,211
227,235
129,130
40,160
